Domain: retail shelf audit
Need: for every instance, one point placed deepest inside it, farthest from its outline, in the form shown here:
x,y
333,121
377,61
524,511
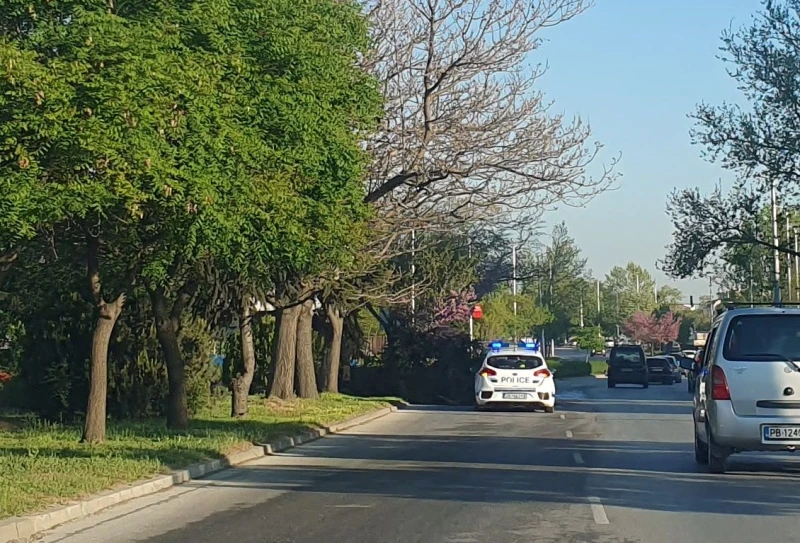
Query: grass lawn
x,y
576,368
599,367
43,464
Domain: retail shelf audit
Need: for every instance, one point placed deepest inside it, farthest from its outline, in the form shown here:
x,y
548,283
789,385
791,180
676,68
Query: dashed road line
x,y
598,511
569,433
578,458
562,416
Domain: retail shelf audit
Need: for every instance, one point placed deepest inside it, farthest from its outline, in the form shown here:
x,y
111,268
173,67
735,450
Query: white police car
x,y
515,375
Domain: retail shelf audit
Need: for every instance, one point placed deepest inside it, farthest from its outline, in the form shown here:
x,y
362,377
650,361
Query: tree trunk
x,y
285,350
167,326
334,354
94,430
306,377
242,381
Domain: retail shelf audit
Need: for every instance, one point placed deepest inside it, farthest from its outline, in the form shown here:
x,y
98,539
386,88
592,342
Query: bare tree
x,y
466,136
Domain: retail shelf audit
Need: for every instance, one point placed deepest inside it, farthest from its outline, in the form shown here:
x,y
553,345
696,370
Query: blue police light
x,y
529,345
496,345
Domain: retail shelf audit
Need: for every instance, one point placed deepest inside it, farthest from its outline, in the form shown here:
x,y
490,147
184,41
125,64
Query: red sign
x,y
477,312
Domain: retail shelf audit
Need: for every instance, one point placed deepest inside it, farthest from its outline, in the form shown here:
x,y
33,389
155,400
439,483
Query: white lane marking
x,y
578,458
569,433
562,416
598,511
350,506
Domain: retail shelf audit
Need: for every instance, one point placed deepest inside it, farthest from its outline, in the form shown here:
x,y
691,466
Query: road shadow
x,y
628,406
647,476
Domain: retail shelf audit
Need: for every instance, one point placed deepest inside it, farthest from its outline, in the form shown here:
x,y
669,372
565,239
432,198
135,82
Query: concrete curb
x,y
22,529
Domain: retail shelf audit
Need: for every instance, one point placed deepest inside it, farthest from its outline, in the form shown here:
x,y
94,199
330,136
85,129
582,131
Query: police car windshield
x,y
759,338
514,362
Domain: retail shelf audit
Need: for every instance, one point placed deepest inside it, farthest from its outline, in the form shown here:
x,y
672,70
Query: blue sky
x,y
634,69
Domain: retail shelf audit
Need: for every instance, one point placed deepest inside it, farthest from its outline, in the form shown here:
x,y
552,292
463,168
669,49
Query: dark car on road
x,y
663,370
692,368
627,365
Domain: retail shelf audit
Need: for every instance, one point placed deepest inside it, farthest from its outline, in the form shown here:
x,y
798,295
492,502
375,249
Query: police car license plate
x,y
780,433
514,396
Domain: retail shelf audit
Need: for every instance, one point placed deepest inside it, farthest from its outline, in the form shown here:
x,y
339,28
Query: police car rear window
x,y
514,362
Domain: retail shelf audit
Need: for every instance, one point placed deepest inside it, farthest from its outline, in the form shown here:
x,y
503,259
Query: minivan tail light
x,y
542,373
488,372
719,385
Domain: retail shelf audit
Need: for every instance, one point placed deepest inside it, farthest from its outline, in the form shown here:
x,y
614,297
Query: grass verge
x,y
577,368
42,464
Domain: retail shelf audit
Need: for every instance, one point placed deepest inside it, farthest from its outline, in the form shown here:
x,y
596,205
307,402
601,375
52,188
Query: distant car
x,y
515,376
662,370
627,364
748,393
692,369
676,367
689,353
609,343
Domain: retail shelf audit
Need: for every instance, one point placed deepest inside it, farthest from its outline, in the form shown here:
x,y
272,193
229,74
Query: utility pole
x,y
796,264
788,259
413,275
751,280
598,300
514,285
775,241
514,276
471,320
581,311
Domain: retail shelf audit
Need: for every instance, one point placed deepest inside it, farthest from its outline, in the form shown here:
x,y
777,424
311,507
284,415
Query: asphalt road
x,y
609,466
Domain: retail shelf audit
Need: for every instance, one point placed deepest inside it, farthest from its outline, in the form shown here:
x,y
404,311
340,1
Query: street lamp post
x,y
788,259
775,241
796,263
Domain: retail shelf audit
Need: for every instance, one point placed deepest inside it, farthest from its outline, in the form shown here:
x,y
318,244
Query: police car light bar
x,y
496,345
529,345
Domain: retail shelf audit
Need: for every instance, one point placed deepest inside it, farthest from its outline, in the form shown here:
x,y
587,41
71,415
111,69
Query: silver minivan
x,y
748,398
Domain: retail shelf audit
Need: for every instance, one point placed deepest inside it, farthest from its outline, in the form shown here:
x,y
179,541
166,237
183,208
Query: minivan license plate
x,y
780,433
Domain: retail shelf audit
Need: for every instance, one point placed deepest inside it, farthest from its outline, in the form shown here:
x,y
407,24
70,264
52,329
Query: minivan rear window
x,y
763,338
624,356
514,362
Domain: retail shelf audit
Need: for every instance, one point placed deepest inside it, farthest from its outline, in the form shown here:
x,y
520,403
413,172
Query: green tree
x,y
499,322
589,339
757,141
94,133
563,280
626,291
239,150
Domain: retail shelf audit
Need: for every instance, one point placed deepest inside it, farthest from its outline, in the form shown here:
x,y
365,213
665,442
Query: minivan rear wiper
x,y
777,356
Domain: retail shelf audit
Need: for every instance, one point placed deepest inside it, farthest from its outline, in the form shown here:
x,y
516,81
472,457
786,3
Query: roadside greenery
x,y
43,463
